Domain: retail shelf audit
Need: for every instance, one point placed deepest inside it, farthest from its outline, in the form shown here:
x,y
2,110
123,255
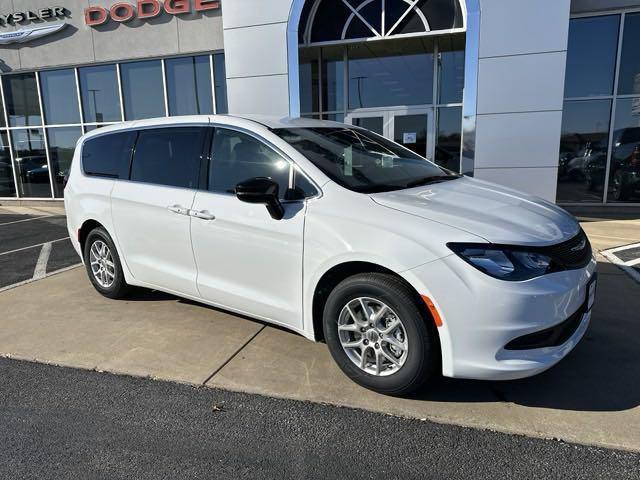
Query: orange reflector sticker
x,y
434,311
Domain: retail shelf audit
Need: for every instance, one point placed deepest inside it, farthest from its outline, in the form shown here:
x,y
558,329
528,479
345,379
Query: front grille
x,y
572,253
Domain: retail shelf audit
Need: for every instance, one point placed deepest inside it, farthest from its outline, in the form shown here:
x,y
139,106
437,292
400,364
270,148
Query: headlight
x,y
505,263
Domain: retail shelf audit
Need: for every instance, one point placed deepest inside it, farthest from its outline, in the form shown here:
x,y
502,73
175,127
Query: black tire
x,y
119,288
423,355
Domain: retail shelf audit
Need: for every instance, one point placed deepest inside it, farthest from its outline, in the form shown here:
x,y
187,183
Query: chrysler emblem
x,y
580,246
28,34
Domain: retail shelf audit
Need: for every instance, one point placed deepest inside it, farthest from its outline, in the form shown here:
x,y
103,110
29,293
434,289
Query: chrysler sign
x,y
145,9
31,15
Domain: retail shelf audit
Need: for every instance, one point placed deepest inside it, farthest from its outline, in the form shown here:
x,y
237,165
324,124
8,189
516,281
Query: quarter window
x,y
108,155
168,156
237,157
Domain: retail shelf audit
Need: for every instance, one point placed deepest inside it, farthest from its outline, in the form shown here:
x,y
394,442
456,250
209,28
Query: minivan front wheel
x,y
379,335
103,265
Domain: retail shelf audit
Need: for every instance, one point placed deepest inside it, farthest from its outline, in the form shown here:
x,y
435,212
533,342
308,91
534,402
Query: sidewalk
x,y
592,397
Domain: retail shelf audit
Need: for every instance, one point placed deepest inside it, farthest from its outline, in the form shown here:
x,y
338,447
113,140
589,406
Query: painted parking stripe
x,y
28,219
31,280
620,256
41,265
33,246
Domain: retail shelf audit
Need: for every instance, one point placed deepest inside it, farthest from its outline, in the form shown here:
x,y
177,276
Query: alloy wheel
x,y
373,336
102,266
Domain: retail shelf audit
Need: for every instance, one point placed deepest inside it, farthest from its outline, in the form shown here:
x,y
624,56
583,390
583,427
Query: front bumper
x,y
481,315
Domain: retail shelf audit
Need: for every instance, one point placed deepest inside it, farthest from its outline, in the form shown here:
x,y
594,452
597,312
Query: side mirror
x,y
261,190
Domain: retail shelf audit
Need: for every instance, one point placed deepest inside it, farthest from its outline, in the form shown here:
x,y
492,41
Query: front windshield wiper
x,y
432,179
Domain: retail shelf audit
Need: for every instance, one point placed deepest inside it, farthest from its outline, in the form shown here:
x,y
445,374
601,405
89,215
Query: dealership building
x,y
542,96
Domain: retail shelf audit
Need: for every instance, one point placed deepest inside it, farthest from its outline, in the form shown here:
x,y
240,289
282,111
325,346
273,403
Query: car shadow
x,y
601,374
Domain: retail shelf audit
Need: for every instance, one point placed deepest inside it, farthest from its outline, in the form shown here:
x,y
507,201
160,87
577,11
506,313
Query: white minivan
x,y
403,268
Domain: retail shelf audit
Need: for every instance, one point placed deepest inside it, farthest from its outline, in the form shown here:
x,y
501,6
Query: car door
x,y
248,261
151,210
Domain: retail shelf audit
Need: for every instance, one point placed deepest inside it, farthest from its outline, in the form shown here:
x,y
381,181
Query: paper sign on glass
x,y
409,137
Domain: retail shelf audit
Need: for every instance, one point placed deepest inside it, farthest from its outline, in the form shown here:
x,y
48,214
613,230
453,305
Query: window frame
x,y
614,97
218,85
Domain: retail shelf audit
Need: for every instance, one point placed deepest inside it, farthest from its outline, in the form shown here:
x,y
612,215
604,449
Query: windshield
x,y
363,161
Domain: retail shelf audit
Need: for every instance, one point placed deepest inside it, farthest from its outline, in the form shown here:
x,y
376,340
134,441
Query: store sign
x,y
144,9
27,34
47,13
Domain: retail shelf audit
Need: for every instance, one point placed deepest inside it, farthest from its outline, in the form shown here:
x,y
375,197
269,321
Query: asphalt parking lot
x,y
60,423
33,246
592,397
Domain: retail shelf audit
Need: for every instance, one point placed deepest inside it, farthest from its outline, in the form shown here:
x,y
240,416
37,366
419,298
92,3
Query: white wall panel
x,y
521,83
516,27
253,51
243,13
528,139
536,181
267,95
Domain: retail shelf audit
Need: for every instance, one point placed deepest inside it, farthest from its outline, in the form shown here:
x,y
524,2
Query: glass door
x,y
411,127
414,129
374,121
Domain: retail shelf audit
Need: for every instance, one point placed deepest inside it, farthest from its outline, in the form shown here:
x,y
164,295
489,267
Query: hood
x,y
495,213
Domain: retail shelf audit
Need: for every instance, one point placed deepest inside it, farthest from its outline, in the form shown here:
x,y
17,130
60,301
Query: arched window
x,y
348,20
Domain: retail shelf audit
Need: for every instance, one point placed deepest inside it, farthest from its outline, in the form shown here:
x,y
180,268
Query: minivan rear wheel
x,y
379,334
103,265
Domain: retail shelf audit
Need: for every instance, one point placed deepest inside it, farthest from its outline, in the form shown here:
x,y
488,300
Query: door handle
x,y
202,214
178,209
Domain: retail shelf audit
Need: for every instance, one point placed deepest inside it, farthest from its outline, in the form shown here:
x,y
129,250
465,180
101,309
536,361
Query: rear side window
x,y
168,156
108,155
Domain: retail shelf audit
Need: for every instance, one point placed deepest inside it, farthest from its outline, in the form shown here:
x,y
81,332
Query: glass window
x,y
362,161
583,151
168,156
449,139
108,155
220,76
385,74
99,92
21,95
332,79
7,187
309,78
237,157
62,143
334,117
59,96
591,56
30,160
624,176
142,90
375,124
630,62
451,69
189,86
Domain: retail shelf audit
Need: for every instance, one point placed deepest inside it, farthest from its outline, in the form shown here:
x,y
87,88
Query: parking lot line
x,y
41,265
31,280
33,246
28,219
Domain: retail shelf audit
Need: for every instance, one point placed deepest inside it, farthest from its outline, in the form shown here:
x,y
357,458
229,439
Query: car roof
x,y
248,121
